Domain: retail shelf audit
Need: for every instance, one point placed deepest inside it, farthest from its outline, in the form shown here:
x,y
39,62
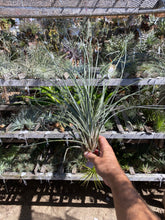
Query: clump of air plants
x,y
27,119
35,63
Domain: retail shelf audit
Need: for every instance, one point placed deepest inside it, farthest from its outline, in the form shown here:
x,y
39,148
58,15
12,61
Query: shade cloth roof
x,y
67,8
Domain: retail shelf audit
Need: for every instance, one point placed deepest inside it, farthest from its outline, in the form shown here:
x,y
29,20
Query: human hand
x,y
106,163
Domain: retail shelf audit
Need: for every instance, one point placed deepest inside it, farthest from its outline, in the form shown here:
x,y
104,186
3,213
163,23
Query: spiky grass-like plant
x,y
26,119
35,63
89,107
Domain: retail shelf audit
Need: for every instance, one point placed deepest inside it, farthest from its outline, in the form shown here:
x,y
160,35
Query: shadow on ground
x,y
67,194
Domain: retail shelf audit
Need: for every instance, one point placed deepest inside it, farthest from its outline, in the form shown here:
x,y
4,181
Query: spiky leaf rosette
x,y
87,108
87,105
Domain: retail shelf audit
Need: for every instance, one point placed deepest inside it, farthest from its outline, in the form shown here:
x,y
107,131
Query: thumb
x,y
90,156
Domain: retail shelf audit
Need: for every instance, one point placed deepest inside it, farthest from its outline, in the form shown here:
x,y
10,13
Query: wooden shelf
x,y
97,82
11,108
77,177
25,135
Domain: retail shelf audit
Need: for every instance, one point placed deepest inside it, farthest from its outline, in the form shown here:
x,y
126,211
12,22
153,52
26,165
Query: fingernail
x,y
86,153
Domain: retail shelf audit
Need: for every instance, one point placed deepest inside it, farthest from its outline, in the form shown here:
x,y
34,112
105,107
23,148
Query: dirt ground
x,y
57,200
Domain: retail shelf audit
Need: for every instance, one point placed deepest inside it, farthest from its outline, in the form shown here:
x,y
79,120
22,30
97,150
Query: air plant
x,y
84,108
145,168
88,107
26,119
84,112
34,62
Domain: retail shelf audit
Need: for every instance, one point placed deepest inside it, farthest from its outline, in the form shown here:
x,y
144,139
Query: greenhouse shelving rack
x,y
78,8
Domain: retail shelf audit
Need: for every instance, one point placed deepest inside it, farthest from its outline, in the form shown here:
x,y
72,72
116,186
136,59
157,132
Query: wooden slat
x,y
24,135
9,108
69,82
77,177
127,122
147,177
118,124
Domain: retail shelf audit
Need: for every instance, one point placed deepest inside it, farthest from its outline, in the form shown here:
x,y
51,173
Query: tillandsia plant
x,y
88,107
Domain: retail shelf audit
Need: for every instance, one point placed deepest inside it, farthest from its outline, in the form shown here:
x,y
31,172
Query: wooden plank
x,y
24,135
134,135
147,177
77,177
9,107
118,124
96,82
29,141
127,122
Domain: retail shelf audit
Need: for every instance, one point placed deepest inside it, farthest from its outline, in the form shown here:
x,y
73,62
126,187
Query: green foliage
x,y
90,173
26,119
161,28
5,23
36,63
116,45
29,28
145,168
82,48
160,122
7,155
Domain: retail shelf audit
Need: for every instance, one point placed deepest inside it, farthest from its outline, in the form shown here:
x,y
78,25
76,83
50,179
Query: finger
x,y
90,156
103,144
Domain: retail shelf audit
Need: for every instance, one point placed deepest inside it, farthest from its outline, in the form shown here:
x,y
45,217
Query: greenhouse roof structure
x,y
78,8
